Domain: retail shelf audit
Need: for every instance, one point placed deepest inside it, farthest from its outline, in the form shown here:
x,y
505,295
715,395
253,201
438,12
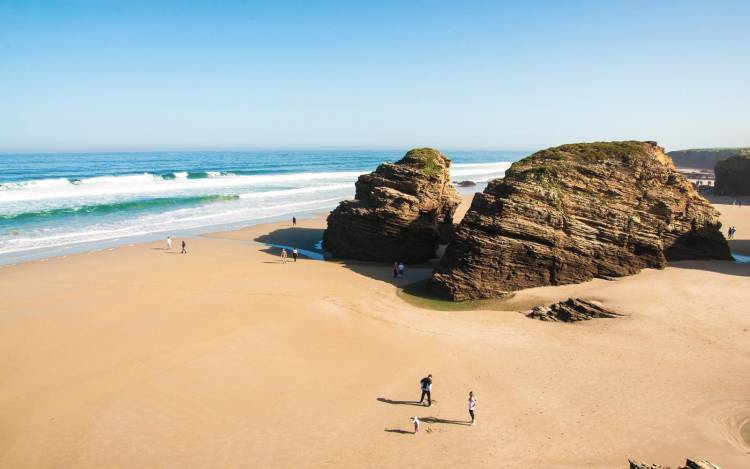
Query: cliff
x,y
575,212
401,211
704,158
733,175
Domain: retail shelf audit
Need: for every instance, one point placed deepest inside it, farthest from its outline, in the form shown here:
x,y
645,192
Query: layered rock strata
x,y
575,212
401,211
570,310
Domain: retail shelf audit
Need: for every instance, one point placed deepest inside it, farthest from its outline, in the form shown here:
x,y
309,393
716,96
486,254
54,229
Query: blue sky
x,y
344,74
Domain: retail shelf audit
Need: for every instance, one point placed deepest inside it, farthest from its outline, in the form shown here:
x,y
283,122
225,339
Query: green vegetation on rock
x,y
430,161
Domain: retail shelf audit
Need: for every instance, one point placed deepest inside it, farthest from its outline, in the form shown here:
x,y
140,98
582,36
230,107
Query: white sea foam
x,y
181,219
480,172
148,183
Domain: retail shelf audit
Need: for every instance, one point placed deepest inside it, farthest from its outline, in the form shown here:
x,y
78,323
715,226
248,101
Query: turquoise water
x,y
54,204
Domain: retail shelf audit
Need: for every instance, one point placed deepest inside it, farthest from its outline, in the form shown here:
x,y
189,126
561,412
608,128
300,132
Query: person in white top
x,y
169,242
472,405
416,424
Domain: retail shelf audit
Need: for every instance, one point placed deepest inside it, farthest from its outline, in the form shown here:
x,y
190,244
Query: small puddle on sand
x,y
745,432
318,256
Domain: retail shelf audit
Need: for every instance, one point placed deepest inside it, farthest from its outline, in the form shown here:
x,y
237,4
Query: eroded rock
x,y
401,211
571,310
689,464
575,212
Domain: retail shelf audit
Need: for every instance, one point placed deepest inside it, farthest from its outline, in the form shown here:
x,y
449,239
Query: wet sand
x,y
224,357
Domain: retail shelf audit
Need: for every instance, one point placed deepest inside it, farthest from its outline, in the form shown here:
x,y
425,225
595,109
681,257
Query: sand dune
x,y
140,357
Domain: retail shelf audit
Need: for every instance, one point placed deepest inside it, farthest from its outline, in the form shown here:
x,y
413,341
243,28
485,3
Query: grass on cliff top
x,y
427,159
541,165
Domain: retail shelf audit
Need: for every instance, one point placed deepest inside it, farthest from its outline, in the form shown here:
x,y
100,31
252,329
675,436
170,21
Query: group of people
x,y
169,245
732,230
425,385
737,202
285,256
398,269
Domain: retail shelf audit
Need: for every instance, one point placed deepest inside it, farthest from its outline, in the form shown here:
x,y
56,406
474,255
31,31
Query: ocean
x,y
60,203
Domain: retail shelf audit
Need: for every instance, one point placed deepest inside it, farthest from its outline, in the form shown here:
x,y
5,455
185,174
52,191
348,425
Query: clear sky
x,y
132,75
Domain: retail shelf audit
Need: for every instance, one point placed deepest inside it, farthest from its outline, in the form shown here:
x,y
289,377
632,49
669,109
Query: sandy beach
x,y
142,357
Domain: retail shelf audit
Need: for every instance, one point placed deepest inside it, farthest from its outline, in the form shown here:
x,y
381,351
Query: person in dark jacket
x,y
426,385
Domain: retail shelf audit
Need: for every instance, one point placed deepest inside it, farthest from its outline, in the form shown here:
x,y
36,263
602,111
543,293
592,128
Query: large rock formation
x,y
733,175
402,211
575,212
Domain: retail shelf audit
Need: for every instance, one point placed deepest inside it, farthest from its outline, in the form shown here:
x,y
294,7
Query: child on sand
x,y
283,256
416,424
184,247
295,253
472,405
169,242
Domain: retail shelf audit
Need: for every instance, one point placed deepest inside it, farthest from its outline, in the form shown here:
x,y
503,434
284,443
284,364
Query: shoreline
x,y
41,254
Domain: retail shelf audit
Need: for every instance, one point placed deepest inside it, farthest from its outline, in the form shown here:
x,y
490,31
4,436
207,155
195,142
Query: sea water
x,y
52,204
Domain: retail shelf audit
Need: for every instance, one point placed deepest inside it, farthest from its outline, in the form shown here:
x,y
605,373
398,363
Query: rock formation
x,y
704,158
575,212
571,310
466,184
733,175
689,464
401,211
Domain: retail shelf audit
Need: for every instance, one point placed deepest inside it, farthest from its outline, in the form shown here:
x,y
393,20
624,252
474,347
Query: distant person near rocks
x,y
283,256
294,221
401,269
184,247
426,386
169,243
472,405
395,269
295,253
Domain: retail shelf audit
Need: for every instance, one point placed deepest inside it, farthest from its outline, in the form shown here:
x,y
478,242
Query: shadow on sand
x,y
445,421
741,269
395,430
391,401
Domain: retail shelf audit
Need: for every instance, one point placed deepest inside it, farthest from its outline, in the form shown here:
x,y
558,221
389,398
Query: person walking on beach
x,y
472,405
416,424
184,247
395,269
283,256
426,386
731,232
295,253
401,269
294,221
169,243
